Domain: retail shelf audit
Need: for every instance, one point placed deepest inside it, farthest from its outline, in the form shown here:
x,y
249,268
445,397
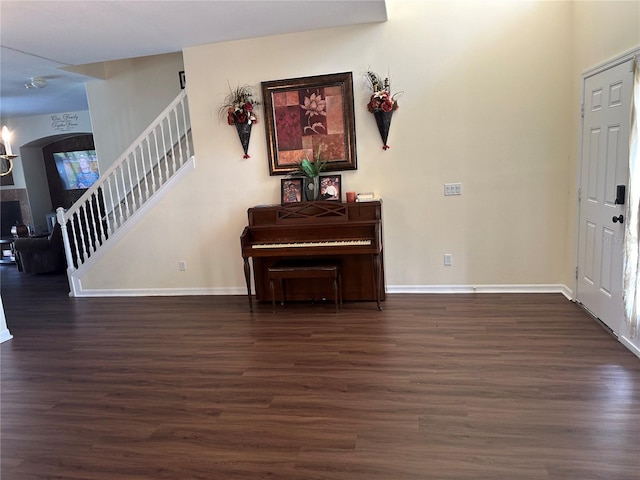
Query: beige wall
x,y
489,101
136,90
602,30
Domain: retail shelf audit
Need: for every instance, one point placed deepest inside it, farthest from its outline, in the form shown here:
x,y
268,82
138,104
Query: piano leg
x,y
247,279
377,276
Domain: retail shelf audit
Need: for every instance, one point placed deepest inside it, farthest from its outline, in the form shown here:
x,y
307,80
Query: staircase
x,y
157,158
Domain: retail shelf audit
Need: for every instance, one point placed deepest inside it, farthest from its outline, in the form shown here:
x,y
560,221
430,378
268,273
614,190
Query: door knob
x,y
619,218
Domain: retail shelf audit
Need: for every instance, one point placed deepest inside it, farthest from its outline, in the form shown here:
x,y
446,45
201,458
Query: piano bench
x,y
305,269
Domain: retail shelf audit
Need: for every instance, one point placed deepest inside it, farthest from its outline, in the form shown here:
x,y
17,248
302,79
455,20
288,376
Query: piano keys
x,y
350,233
340,243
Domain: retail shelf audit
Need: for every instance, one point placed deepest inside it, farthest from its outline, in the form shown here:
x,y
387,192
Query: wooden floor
x,y
442,387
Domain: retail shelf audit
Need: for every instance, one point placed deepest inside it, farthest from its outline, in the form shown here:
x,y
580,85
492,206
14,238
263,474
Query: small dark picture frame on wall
x,y
183,80
291,190
330,188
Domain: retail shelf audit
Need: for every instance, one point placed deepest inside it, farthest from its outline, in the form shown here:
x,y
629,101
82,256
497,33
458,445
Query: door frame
x,y
613,62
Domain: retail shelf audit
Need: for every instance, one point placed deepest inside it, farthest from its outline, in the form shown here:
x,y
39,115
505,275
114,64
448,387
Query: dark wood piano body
x,y
317,222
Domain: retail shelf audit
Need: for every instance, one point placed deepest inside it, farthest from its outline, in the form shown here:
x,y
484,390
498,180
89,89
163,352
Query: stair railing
x,y
128,184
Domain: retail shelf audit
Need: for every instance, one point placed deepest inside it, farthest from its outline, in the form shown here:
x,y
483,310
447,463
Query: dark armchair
x,y
40,255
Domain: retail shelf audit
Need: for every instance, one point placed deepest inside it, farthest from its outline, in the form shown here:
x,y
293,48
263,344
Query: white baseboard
x,y
415,289
631,346
159,292
518,288
5,335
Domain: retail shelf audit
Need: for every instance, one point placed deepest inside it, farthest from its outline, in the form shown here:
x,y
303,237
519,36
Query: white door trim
x,y
622,58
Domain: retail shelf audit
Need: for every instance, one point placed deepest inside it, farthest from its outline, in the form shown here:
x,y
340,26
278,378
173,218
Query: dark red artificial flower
x,y
387,106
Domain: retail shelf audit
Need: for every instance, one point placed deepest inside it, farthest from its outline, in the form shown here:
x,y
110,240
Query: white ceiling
x,y
44,38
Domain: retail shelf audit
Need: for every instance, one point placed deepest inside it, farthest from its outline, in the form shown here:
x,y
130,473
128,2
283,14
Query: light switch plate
x,y
452,189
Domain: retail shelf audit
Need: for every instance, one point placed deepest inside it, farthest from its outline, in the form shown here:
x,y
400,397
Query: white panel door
x,y
604,166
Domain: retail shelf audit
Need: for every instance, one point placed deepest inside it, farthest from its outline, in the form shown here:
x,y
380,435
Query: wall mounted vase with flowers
x,y
239,108
382,104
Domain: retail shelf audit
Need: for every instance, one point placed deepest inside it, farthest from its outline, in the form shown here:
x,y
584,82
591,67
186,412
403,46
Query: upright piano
x,y
349,233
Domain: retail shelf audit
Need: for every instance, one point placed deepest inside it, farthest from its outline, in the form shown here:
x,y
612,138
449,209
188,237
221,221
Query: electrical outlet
x,y
448,259
182,265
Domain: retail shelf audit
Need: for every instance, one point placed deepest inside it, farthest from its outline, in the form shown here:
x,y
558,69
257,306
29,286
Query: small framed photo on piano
x,y
291,190
331,187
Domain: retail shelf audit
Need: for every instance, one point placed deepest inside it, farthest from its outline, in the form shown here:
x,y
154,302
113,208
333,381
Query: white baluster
x,y
131,195
65,239
118,196
110,210
186,131
164,152
83,245
154,166
124,190
144,168
135,164
92,229
171,142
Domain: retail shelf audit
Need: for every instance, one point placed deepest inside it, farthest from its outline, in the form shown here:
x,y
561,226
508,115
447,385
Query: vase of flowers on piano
x,y
310,170
239,109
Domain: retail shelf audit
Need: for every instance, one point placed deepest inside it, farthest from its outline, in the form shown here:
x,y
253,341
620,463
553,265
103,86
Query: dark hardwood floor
x,y
433,387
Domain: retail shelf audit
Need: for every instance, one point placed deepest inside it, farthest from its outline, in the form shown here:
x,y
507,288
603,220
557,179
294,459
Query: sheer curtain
x,y
631,246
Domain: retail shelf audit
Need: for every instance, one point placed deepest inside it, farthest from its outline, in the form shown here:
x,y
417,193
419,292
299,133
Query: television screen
x,y
77,169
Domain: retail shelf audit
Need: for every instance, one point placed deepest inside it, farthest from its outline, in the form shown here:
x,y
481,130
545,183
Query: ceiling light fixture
x,y
36,82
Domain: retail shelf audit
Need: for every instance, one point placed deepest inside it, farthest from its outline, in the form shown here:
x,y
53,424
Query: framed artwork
x,y
304,116
330,187
291,190
183,80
